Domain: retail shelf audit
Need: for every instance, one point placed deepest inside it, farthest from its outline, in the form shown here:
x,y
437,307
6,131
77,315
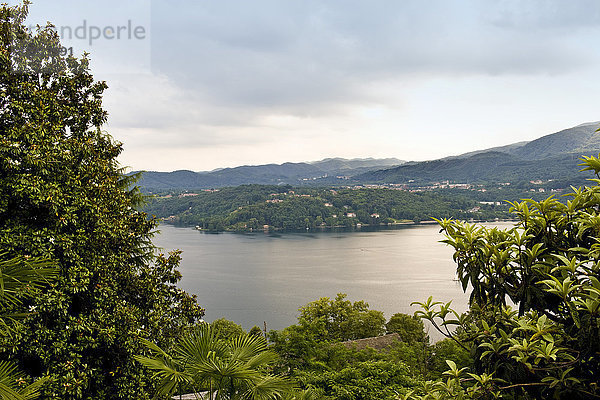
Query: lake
x,y
254,277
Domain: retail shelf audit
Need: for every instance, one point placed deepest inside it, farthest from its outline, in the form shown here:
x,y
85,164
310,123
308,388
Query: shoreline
x,y
356,227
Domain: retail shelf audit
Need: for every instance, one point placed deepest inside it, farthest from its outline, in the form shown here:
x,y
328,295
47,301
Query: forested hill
x,y
480,168
251,207
324,172
553,156
579,140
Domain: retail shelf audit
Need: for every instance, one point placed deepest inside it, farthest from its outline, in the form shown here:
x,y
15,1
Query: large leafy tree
x,y
63,198
342,319
409,327
548,265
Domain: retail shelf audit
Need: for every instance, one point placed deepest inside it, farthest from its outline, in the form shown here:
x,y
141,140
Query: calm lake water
x,y
254,277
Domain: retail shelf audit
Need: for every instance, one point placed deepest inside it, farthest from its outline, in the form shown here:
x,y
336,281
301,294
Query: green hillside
x,y
553,156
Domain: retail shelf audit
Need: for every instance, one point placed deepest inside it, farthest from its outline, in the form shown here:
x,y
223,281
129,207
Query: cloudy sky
x,y
208,84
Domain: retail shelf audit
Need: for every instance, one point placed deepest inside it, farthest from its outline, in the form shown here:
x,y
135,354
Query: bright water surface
x,y
254,277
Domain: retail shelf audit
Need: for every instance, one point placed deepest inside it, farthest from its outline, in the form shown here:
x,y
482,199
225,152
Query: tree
x,y
225,329
255,331
297,344
342,319
548,265
232,368
320,323
63,198
410,328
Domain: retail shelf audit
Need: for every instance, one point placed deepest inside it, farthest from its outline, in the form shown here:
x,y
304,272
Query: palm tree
x,y
18,276
226,369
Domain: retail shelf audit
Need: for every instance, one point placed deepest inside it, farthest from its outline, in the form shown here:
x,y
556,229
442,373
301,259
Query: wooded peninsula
x,y
283,207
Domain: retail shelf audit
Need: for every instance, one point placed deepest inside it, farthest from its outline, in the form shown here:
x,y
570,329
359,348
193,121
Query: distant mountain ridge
x,y
582,139
324,171
553,156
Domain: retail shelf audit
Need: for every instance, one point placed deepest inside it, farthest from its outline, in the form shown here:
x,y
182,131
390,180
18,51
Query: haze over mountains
x,y
327,171
553,156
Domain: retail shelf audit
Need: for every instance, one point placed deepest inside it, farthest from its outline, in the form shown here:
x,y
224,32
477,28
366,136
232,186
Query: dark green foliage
x,y
256,331
448,349
320,323
409,327
224,329
63,198
253,206
367,380
297,344
210,208
342,319
341,372
312,353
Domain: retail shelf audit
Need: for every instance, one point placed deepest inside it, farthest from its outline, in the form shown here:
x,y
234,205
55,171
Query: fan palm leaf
x,y
18,275
9,384
270,387
165,368
228,369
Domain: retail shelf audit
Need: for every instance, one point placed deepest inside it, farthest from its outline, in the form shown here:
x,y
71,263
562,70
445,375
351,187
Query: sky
x,y
201,84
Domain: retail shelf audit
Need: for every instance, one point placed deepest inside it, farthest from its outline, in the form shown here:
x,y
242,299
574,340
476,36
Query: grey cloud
x,y
234,72
271,53
545,15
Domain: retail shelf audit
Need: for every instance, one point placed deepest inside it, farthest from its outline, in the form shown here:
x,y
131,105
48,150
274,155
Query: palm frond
x,y
19,273
32,391
9,384
262,359
228,369
167,372
244,347
199,345
270,387
155,350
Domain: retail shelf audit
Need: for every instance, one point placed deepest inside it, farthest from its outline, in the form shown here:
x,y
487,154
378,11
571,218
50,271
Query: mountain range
x,y
554,156
327,171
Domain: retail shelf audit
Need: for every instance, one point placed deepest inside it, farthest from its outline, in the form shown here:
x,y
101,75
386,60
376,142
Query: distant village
x,y
409,187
